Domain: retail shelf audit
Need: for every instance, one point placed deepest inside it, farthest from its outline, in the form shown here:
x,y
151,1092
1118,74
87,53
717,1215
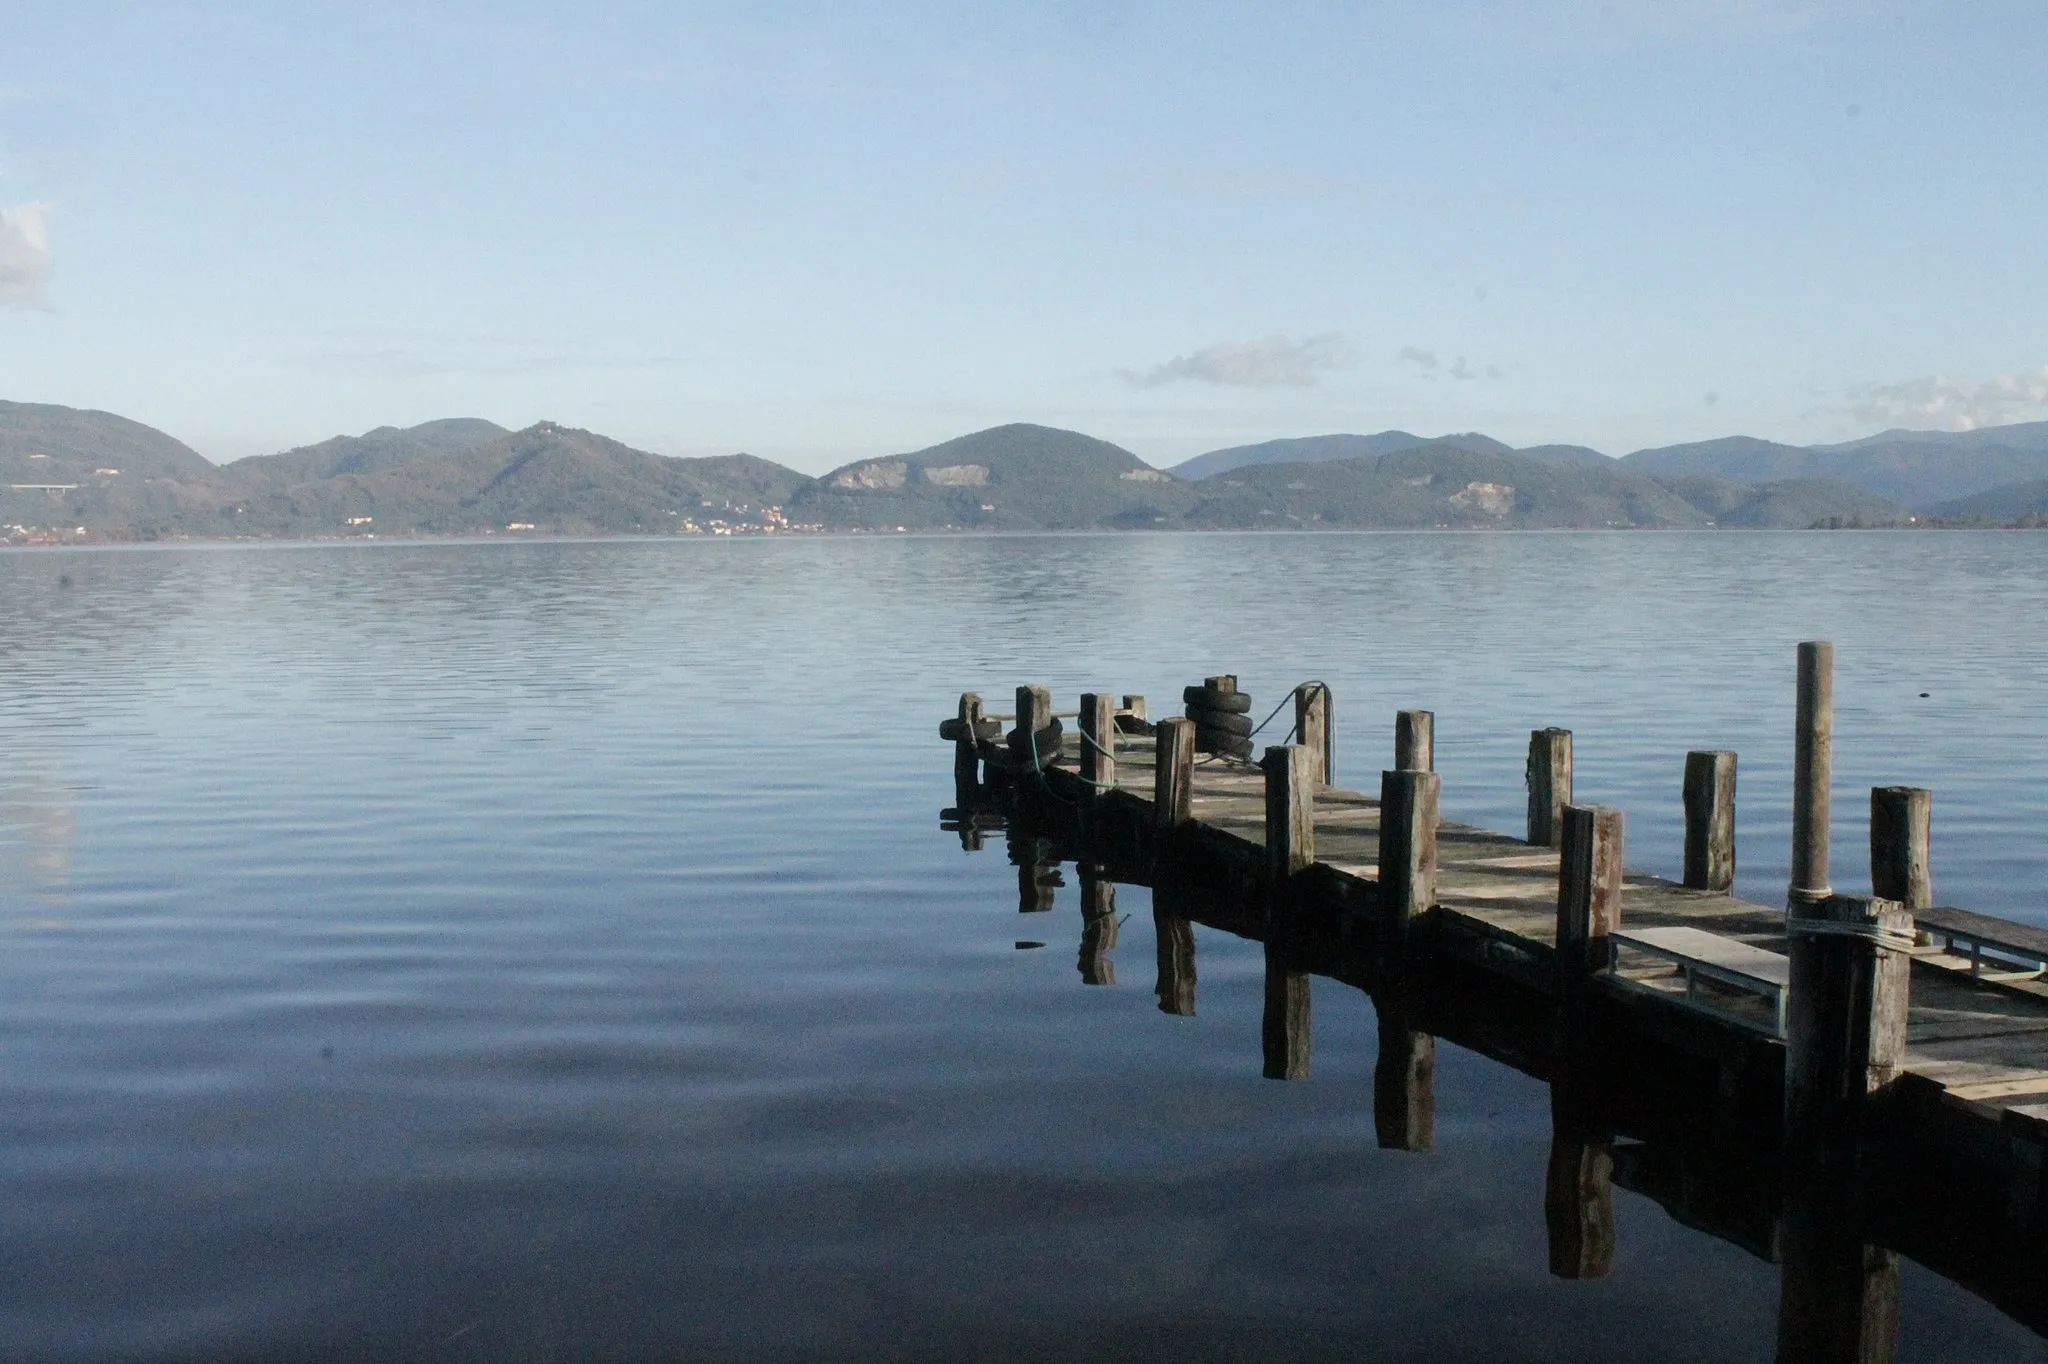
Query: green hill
x,y
552,478
1323,449
387,447
2011,505
1913,469
1017,477
44,443
1438,485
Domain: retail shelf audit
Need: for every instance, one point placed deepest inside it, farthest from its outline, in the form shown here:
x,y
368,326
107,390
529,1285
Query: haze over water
x,y
549,951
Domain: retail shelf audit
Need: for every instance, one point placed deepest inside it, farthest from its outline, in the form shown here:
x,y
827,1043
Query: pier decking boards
x,y
1669,1028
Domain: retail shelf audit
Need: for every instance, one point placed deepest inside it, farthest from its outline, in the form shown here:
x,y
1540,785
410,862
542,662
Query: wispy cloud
x,y
1268,362
1955,404
1416,355
25,256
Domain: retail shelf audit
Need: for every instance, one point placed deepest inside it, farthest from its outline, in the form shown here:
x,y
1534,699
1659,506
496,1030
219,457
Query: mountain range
x,y
64,468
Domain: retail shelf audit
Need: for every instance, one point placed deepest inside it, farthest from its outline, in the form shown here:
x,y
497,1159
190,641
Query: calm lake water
x,y
549,951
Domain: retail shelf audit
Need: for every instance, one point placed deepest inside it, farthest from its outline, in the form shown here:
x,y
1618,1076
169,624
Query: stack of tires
x,y
1222,716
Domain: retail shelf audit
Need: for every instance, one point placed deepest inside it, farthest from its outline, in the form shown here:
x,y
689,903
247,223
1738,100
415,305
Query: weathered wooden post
x,y
1415,741
1845,1034
967,750
1315,729
1407,874
1284,1029
1900,821
1549,777
1134,712
1173,777
1589,873
1290,810
1176,935
1812,769
1034,719
1403,1082
1098,742
1710,820
1098,926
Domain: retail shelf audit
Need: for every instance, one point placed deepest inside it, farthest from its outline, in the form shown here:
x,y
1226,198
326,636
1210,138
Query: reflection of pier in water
x,y
1678,1105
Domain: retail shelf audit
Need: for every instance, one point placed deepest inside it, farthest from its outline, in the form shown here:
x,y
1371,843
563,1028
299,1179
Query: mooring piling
x,y
1549,778
1588,887
1845,1036
967,748
1173,773
1813,761
1098,742
1315,729
1710,820
1415,741
1290,809
1900,821
1408,850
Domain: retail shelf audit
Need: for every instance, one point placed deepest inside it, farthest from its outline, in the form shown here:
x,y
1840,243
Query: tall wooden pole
x,y
1812,770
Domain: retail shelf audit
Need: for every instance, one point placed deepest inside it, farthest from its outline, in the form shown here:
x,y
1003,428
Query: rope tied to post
x,y
1886,939
1088,741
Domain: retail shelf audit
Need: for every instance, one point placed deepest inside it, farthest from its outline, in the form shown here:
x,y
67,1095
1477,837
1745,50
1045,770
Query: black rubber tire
x,y
1226,702
1229,745
1240,725
1048,744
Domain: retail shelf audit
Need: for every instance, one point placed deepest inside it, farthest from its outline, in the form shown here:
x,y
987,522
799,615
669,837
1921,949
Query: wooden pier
x,y
1827,1084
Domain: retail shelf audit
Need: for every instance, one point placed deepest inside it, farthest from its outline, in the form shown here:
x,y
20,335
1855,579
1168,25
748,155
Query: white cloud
x,y
1416,355
1268,362
1955,404
1461,370
25,258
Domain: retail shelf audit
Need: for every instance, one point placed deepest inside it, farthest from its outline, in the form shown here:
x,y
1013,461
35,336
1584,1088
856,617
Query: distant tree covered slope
x,y
74,442
1017,477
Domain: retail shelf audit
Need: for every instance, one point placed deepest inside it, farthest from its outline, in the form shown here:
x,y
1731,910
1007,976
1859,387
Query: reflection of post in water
x,y
1098,926
1285,1032
1578,1187
1176,933
1038,872
1838,1297
1403,1081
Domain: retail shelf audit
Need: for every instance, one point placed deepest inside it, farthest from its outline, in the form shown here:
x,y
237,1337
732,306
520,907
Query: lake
x,y
550,951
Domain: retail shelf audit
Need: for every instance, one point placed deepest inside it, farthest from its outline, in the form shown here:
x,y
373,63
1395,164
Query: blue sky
x,y
825,231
